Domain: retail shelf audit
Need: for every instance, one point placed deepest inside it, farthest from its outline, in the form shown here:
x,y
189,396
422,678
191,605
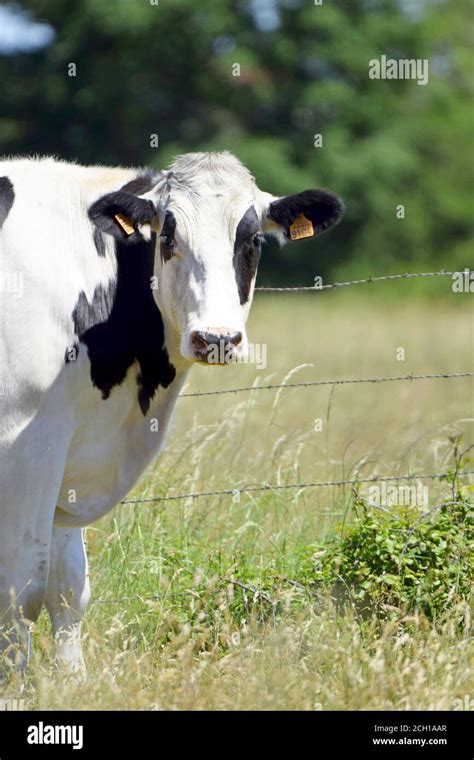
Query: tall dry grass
x,y
169,628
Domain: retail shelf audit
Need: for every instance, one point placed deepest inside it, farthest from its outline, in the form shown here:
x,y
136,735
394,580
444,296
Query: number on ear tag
x,y
125,223
301,228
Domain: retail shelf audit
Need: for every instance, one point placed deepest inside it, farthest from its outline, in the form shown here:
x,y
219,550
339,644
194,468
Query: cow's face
x,y
210,218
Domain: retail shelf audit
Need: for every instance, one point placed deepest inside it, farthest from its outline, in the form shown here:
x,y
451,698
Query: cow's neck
x,y
122,325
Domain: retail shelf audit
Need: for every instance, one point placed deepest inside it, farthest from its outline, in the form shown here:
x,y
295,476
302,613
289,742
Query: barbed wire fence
x,y
366,281
287,486
316,383
343,381
268,487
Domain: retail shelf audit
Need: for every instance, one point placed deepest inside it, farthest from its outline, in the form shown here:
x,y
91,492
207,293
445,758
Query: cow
x,y
113,283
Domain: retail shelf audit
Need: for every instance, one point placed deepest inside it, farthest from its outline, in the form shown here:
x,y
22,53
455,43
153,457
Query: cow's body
x,y
105,446
93,359
66,455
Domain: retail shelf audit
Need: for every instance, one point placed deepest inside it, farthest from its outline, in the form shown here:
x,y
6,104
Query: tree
x,y
264,80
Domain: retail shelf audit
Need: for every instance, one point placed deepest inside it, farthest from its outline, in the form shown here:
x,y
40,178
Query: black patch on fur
x,y
142,183
123,324
246,252
99,242
139,210
323,209
167,237
7,196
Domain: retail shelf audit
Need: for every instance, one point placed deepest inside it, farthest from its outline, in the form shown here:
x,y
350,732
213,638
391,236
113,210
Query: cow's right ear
x,y
124,215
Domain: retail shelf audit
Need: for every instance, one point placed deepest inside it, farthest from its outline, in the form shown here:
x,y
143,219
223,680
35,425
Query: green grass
x,y
224,602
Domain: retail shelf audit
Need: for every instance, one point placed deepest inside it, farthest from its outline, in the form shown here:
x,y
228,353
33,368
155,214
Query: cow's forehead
x,y
215,187
214,214
211,171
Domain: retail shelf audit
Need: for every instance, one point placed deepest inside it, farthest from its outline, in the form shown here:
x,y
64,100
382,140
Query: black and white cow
x,y
113,282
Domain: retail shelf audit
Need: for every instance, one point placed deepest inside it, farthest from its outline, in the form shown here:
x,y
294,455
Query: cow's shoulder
x,y
121,325
120,322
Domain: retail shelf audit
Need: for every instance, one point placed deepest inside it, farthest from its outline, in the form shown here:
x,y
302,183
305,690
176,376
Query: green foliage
x,y
401,562
167,69
381,565
404,560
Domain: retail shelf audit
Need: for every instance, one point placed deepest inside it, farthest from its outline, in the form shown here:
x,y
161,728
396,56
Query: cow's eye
x,y
166,247
258,239
166,240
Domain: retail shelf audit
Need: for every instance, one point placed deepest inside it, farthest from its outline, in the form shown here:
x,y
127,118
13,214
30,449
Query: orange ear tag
x,y
125,223
301,228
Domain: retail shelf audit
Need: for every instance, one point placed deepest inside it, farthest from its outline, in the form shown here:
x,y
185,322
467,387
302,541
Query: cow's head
x,y
210,219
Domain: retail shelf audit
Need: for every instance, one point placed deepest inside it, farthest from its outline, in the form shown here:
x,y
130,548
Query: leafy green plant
x,y
386,562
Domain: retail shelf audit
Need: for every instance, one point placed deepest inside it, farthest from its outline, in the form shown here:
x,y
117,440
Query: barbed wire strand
x,y
347,381
368,280
160,596
270,487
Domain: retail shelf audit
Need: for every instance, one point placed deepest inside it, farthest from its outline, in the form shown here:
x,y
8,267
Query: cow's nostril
x,y
198,339
221,338
235,338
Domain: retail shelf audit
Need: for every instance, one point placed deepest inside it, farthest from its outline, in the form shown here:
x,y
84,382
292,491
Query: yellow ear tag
x,y
301,228
125,223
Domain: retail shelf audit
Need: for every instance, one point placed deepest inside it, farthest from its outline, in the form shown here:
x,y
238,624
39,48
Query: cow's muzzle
x,y
215,345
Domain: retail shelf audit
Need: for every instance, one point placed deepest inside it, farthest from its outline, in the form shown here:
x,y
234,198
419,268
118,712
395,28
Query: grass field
x,y
201,603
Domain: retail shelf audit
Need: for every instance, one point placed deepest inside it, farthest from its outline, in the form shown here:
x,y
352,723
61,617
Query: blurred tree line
x,y
168,68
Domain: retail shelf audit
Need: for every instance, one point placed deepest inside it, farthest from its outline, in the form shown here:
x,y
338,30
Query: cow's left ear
x,y
124,215
305,214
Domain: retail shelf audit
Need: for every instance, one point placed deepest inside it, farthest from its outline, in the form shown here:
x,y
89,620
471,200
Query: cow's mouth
x,y
218,358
